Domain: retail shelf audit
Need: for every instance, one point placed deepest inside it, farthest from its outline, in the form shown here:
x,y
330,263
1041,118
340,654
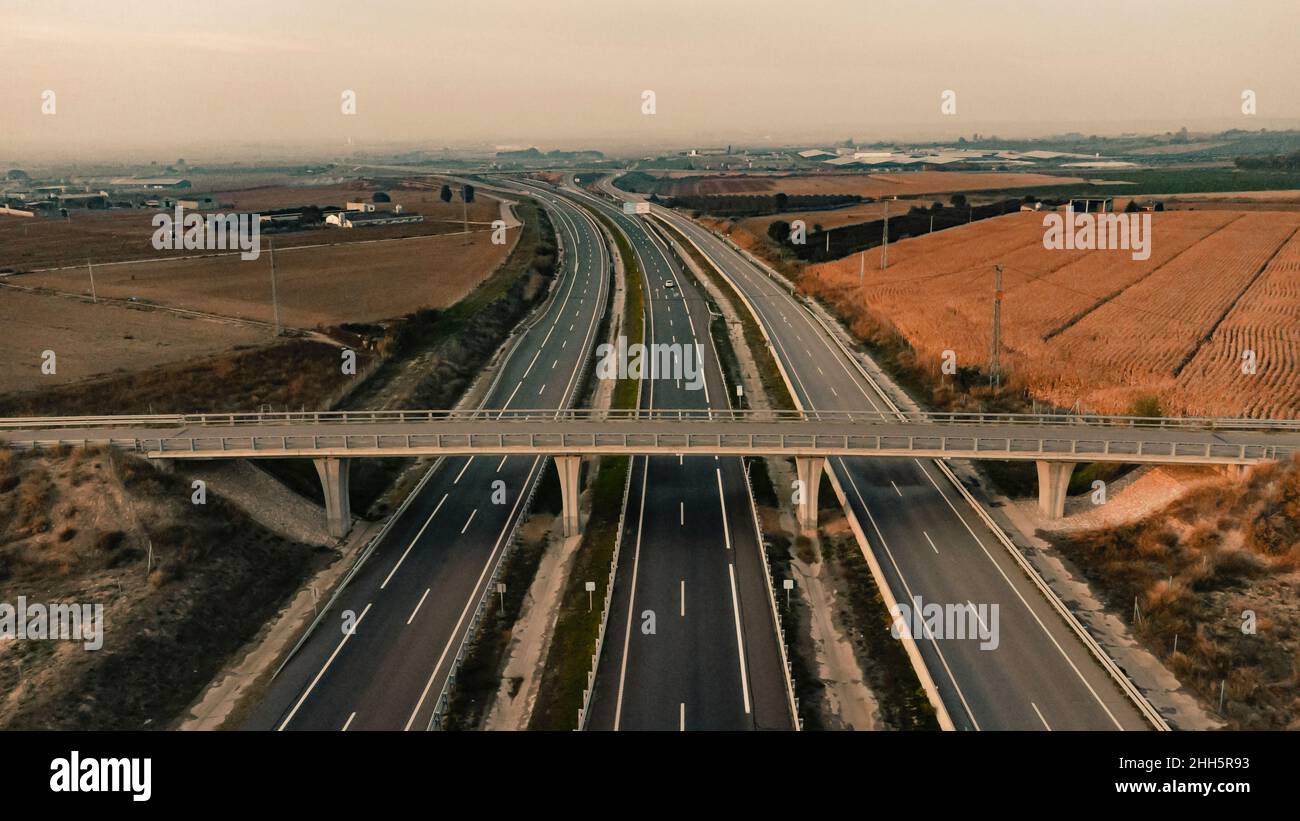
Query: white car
x,y
670,284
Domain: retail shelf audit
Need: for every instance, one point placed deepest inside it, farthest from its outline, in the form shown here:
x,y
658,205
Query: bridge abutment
x,y
1053,486
338,506
569,468
809,470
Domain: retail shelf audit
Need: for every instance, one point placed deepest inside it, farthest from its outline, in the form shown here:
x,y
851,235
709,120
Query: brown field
x,y
903,184
93,340
316,286
1097,327
33,243
833,217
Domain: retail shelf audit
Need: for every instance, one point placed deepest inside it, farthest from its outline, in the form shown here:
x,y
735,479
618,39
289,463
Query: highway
x,y
413,598
930,543
691,564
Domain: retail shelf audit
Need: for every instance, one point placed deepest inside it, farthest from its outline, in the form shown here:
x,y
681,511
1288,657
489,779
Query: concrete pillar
x,y
809,469
1053,486
569,467
338,506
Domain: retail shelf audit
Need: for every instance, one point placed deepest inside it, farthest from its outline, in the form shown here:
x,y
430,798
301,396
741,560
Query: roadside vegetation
x,y
573,640
1209,585
183,587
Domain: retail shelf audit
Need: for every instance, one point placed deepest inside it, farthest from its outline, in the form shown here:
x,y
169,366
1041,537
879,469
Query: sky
x,y
139,76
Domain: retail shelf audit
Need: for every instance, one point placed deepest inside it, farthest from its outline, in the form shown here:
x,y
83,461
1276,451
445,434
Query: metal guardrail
x,y
639,415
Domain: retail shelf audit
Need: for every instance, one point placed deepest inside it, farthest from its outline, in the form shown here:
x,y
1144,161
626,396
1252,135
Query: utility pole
x,y
93,296
862,266
275,300
995,370
932,223
884,246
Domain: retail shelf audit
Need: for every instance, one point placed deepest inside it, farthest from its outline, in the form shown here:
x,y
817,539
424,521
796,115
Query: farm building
x,y
359,219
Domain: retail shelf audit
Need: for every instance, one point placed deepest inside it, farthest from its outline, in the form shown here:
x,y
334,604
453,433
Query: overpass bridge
x,y
331,439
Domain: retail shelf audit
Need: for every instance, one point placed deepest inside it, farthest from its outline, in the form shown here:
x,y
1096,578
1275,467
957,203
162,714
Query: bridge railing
x,y
865,417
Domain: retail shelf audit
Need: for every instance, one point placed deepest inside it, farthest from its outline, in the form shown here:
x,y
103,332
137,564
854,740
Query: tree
x,y
467,193
1131,208
958,200
380,196
445,193
17,174
782,201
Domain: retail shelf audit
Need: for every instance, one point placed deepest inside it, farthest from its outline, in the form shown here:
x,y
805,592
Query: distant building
x,y
197,202
364,207
361,219
158,183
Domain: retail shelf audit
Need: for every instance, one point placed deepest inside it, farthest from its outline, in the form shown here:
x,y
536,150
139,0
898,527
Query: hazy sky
x,y
139,75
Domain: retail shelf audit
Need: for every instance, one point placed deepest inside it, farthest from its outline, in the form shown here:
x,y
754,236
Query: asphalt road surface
x,y
930,544
411,602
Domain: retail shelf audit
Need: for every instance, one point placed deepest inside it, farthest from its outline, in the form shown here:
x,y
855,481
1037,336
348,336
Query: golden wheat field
x,y
1098,328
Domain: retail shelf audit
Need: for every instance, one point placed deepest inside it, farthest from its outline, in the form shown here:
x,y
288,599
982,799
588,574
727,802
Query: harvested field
x,y
36,243
316,286
92,340
1099,328
905,184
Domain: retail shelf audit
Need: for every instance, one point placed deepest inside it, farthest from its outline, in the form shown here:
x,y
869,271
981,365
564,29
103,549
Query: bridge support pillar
x,y
569,468
1053,486
338,506
809,470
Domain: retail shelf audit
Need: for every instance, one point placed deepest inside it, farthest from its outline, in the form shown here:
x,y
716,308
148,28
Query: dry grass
x,y
1193,569
96,340
316,286
1097,327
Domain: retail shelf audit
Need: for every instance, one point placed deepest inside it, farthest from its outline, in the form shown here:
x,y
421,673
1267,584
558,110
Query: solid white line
x,y
896,490
931,541
465,610
503,461
722,502
467,521
631,601
462,471
740,644
413,541
348,723
1023,601
533,362
418,605
1040,716
328,662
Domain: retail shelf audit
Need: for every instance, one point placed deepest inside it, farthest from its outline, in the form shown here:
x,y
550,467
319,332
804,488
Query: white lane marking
x,y
631,601
328,662
908,590
896,490
562,344
417,605
832,387
681,513
428,685
681,722
462,471
931,541
570,326
539,392
975,611
348,723
722,502
740,645
503,461
413,541
511,397
683,598
529,369
467,521
553,364
1023,601
1040,716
